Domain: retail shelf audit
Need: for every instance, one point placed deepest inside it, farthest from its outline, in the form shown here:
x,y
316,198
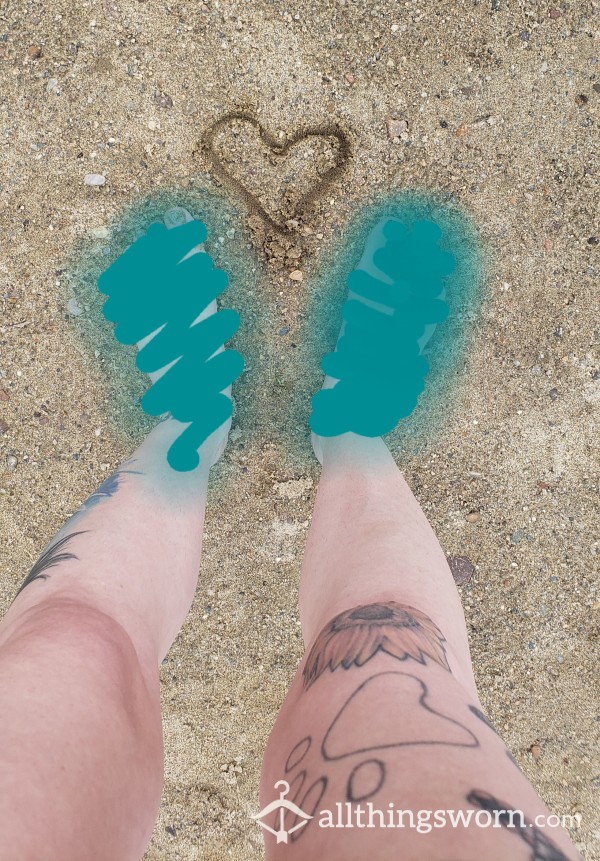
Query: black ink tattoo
x,y
483,718
513,760
356,732
49,559
298,753
542,848
356,636
108,488
365,781
309,804
355,728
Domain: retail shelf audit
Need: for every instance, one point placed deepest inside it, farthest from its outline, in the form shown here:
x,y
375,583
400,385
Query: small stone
x,y
99,232
74,308
553,393
163,100
3,427
536,370
548,245
596,87
535,750
296,275
34,52
462,569
544,67
581,99
495,5
395,28
461,131
395,128
524,36
349,77
593,240
554,13
153,125
517,536
284,330
171,830
11,462
52,86
4,396
94,179
473,516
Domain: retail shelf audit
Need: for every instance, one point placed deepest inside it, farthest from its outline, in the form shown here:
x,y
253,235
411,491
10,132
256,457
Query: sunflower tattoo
x,y
355,636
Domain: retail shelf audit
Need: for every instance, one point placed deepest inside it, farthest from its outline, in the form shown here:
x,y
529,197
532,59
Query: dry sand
x,y
496,102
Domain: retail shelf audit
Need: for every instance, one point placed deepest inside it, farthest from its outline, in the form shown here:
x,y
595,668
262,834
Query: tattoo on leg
x,y
309,804
355,733
354,729
542,848
298,753
107,489
365,781
484,719
54,555
513,760
355,636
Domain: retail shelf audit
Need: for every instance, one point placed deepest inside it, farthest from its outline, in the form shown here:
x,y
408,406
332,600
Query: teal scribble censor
x,y
407,322
157,287
378,359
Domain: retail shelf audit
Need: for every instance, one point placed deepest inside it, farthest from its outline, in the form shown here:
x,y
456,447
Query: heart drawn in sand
x,y
277,178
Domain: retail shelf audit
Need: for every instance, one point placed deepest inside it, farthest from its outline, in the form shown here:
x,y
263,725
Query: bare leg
x,y
81,762
82,758
383,710
383,714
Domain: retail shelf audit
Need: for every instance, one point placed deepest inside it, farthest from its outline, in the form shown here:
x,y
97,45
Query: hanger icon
x,y
282,804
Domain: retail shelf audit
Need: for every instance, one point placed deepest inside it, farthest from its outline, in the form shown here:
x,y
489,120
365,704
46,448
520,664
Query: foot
x,y
395,302
214,446
163,297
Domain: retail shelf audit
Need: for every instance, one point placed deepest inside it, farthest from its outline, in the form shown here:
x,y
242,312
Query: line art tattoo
x,y
298,753
542,848
355,636
310,802
365,781
354,729
484,719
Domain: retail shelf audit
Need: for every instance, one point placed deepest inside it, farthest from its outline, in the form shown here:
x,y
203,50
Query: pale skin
x,y
81,646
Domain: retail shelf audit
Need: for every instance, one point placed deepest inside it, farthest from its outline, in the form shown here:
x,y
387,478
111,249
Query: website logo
x,y
282,805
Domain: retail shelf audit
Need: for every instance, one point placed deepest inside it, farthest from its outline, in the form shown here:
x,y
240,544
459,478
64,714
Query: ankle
x,y
350,449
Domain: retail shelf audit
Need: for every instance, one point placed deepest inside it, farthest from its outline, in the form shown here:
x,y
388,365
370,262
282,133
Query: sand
x,y
495,105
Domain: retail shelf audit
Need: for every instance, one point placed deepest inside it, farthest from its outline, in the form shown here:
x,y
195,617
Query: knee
x,y
91,709
89,644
